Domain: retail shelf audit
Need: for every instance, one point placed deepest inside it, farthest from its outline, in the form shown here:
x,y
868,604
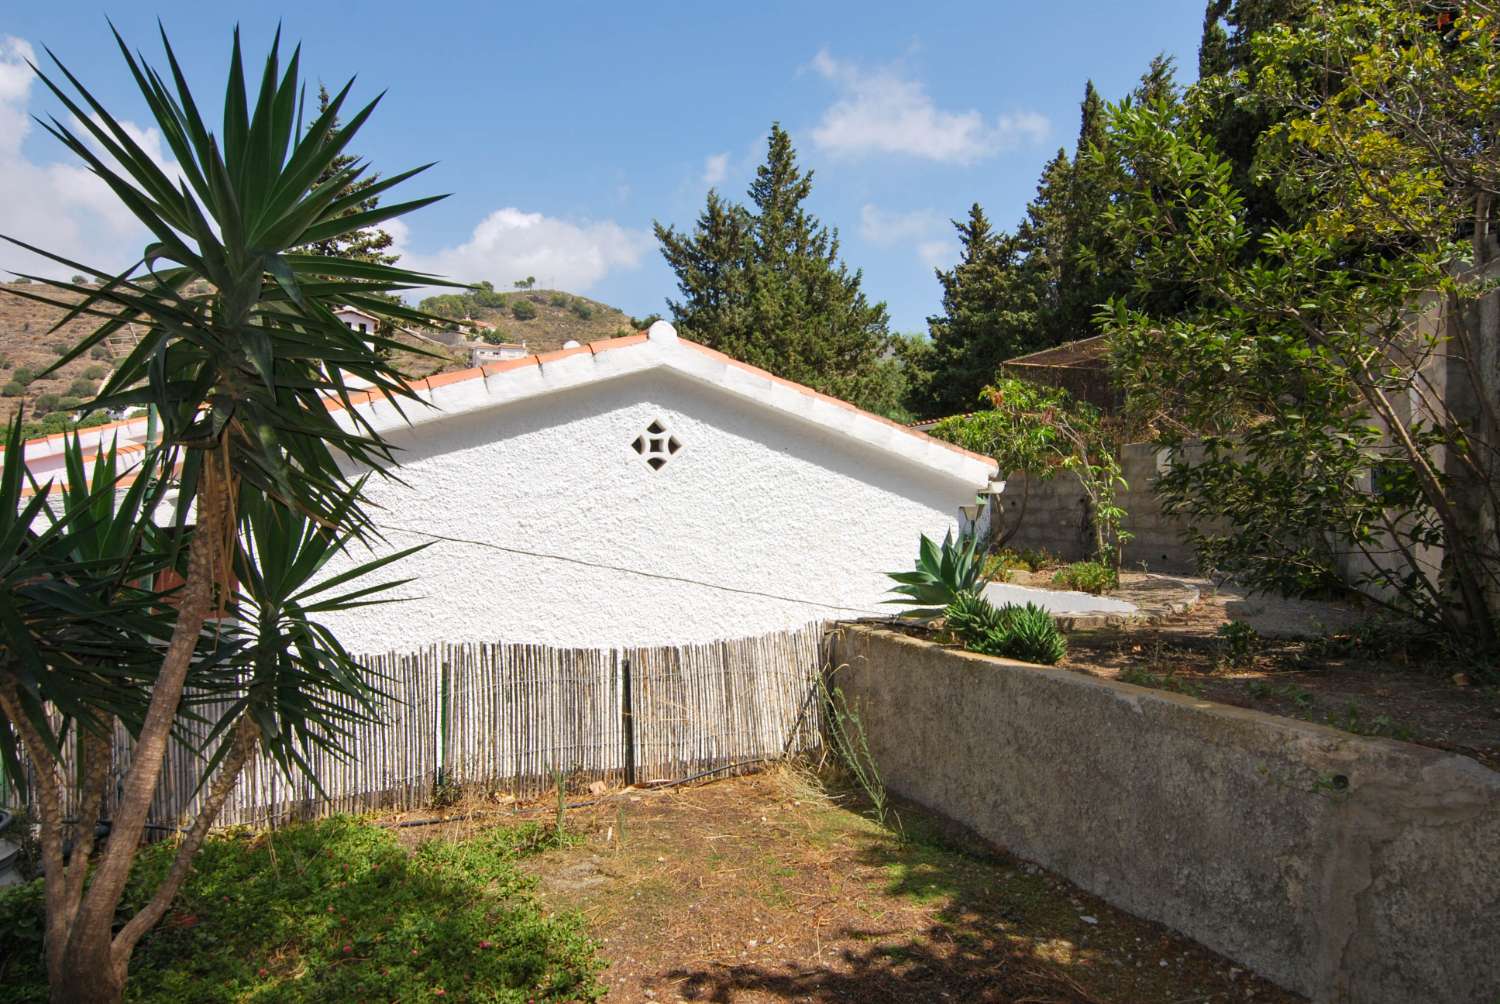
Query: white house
x,y
637,491
483,353
646,490
357,320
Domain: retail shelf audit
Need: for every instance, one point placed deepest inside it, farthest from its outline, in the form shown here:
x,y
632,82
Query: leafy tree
x,y
527,283
1040,431
764,283
1337,371
523,310
240,354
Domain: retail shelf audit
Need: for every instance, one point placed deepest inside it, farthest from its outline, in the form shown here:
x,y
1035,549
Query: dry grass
x,y
774,887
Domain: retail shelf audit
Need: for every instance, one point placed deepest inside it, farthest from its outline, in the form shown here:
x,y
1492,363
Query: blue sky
x,y
564,131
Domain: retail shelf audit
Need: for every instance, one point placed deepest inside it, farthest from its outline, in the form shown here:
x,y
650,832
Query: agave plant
x,y
942,574
253,376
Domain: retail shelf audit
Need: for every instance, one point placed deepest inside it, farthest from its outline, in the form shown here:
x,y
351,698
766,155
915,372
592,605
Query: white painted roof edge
x,y
662,349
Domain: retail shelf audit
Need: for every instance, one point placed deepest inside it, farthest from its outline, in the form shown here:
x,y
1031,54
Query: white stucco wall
x,y
754,503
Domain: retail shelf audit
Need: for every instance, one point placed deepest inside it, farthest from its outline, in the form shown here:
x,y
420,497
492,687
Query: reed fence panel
x,y
509,718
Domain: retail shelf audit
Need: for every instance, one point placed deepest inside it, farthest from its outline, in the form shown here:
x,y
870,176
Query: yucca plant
x,y
243,359
943,572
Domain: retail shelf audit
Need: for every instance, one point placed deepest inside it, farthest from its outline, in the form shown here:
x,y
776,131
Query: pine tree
x,y
365,245
763,283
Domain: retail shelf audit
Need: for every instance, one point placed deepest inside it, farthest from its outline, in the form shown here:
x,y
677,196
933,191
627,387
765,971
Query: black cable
x,y
630,571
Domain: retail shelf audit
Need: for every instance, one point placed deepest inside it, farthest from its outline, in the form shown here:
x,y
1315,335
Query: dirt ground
x,y
1349,677
765,888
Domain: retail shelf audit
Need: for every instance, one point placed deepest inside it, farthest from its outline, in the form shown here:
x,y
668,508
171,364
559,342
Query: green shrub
x,y
23,376
1087,577
13,389
942,574
1027,633
337,911
1238,643
522,310
81,388
581,309
45,403
99,352
96,372
558,299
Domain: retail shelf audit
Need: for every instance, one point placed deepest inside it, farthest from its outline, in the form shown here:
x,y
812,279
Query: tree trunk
x,y
92,971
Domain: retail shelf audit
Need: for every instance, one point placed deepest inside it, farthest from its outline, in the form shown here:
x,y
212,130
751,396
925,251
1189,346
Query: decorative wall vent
x,y
656,445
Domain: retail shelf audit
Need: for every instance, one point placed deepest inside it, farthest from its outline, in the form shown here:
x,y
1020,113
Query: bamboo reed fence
x,y
508,718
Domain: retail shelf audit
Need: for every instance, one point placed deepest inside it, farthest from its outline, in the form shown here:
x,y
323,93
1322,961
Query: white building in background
x,y
358,320
635,491
646,490
483,353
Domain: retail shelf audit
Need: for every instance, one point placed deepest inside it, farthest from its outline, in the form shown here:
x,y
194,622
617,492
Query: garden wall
x,y
1057,517
1348,869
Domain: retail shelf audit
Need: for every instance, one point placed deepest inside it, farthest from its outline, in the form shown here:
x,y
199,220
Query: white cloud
x,y
59,205
936,254
510,244
887,229
715,168
882,112
922,230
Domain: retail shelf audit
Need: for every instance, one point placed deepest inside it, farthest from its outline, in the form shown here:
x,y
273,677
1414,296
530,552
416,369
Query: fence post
x,y
442,722
627,721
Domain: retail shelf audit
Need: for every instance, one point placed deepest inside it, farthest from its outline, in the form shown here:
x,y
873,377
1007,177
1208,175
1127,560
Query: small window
x,y
656,445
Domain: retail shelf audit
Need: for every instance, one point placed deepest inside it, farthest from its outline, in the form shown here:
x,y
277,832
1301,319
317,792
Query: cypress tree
x,y
764,284
368,245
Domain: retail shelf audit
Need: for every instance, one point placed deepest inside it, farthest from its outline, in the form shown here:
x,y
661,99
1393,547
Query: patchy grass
x,y
338,911
772,888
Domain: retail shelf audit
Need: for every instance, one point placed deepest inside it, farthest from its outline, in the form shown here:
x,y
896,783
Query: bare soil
x,y
1362,679
766,888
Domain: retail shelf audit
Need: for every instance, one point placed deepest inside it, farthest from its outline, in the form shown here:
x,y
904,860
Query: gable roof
x,y
534,376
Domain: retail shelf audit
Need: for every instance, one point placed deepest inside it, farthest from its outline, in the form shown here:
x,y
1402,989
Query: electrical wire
x,y
633,571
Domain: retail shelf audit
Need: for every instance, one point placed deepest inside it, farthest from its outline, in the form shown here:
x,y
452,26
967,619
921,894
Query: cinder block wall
x,y
1348,869
1057,517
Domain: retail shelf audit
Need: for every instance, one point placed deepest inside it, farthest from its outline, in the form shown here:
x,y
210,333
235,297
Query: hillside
x,y
28,345
559,316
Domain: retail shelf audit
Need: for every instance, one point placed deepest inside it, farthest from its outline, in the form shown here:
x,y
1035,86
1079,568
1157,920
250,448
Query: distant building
x,y
481,353
358,320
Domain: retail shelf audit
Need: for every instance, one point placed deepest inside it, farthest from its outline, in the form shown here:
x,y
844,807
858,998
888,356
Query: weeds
x,y
1238,644
1381,726
851,749
1087,577
1261,691
1159,681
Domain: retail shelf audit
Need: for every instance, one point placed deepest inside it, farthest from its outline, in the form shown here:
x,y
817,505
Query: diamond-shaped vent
x,y
656,445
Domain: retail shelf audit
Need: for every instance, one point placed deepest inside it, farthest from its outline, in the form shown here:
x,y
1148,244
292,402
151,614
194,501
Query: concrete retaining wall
x,y
1348,869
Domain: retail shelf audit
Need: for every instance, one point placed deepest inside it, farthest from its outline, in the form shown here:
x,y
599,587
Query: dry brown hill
x,y
559,317
28,345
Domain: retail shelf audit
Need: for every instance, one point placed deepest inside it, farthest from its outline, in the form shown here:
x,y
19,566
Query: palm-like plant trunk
x,y
91,967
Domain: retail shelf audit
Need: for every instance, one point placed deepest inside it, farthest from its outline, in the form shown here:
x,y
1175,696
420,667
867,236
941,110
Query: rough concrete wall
x,y
1349,869
1057,517
758,523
